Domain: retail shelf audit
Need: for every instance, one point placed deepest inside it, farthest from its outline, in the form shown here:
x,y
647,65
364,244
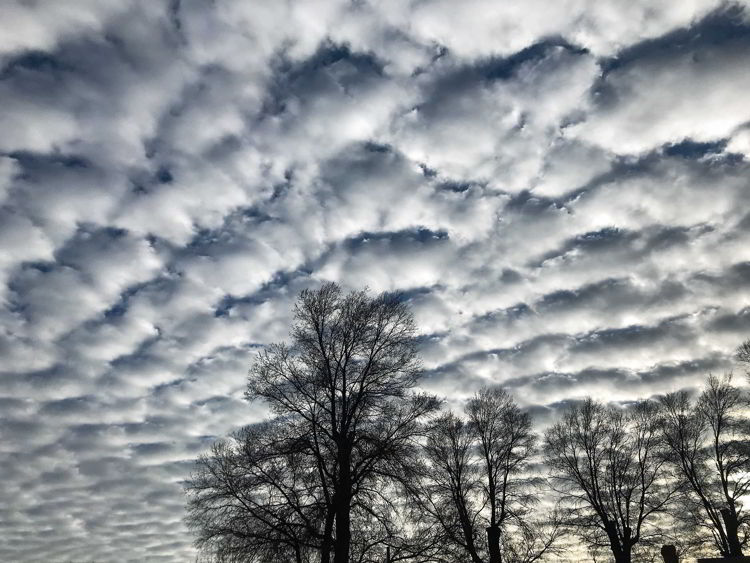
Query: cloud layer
x,y
561,189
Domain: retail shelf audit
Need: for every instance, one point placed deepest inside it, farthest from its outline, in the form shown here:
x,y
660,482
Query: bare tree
x,y
710,445
347,380
451,487
478,483
254,498
742,354
506,443
606,464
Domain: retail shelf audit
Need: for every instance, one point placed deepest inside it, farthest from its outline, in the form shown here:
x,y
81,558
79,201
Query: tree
x,y
709,443
506,443
346,381
450,487
254,498
478,486
606,465
743,355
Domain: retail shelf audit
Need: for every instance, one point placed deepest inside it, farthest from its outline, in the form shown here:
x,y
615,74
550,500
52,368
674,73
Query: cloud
x,y
560,191
479,28
643,102
30,28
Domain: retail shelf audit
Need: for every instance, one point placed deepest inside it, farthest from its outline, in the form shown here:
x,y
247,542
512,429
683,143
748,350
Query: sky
x,y
561,189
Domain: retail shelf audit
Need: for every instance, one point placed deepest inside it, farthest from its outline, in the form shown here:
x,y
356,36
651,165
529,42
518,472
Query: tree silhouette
x,y
709,445
742,354
506,442
477,485
254,498
606,464
449,492
346,381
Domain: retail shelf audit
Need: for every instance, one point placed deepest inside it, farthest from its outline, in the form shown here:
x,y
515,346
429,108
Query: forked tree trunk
x,y
468,532
620,549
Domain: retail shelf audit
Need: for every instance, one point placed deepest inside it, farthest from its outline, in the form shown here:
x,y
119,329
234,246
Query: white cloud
x,y
695,94
29,28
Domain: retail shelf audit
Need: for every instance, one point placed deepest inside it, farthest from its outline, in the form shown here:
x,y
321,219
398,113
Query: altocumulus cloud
x,y
560,189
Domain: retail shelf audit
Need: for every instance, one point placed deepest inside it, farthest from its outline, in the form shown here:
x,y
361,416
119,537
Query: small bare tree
x,y
255,498
743,355
479,486
606,465
450,489
506,443
709,442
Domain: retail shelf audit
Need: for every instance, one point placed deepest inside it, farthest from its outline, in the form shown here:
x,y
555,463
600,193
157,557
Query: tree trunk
x,y
620,549
731,525
626,545
342,502
468,531
325,548
493,542
624,556
343,531
669,554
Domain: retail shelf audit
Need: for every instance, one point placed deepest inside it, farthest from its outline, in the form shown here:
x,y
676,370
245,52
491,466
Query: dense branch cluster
x,y
356,465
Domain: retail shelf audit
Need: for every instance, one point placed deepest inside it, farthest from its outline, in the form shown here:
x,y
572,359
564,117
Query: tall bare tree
x,y
347,380
709,441
606,464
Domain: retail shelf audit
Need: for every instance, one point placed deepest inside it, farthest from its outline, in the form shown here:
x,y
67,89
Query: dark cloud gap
x,y
632,337
736,276
268,292
34,61
505,68
300,79
671,374
487,70
396,239
606,340
694,150
640,244
528,203
31,162
723,30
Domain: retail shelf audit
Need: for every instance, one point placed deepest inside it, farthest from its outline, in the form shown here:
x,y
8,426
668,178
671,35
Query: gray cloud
x,y
559,189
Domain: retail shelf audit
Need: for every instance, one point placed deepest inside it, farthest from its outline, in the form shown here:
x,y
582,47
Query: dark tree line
x,y
356,465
